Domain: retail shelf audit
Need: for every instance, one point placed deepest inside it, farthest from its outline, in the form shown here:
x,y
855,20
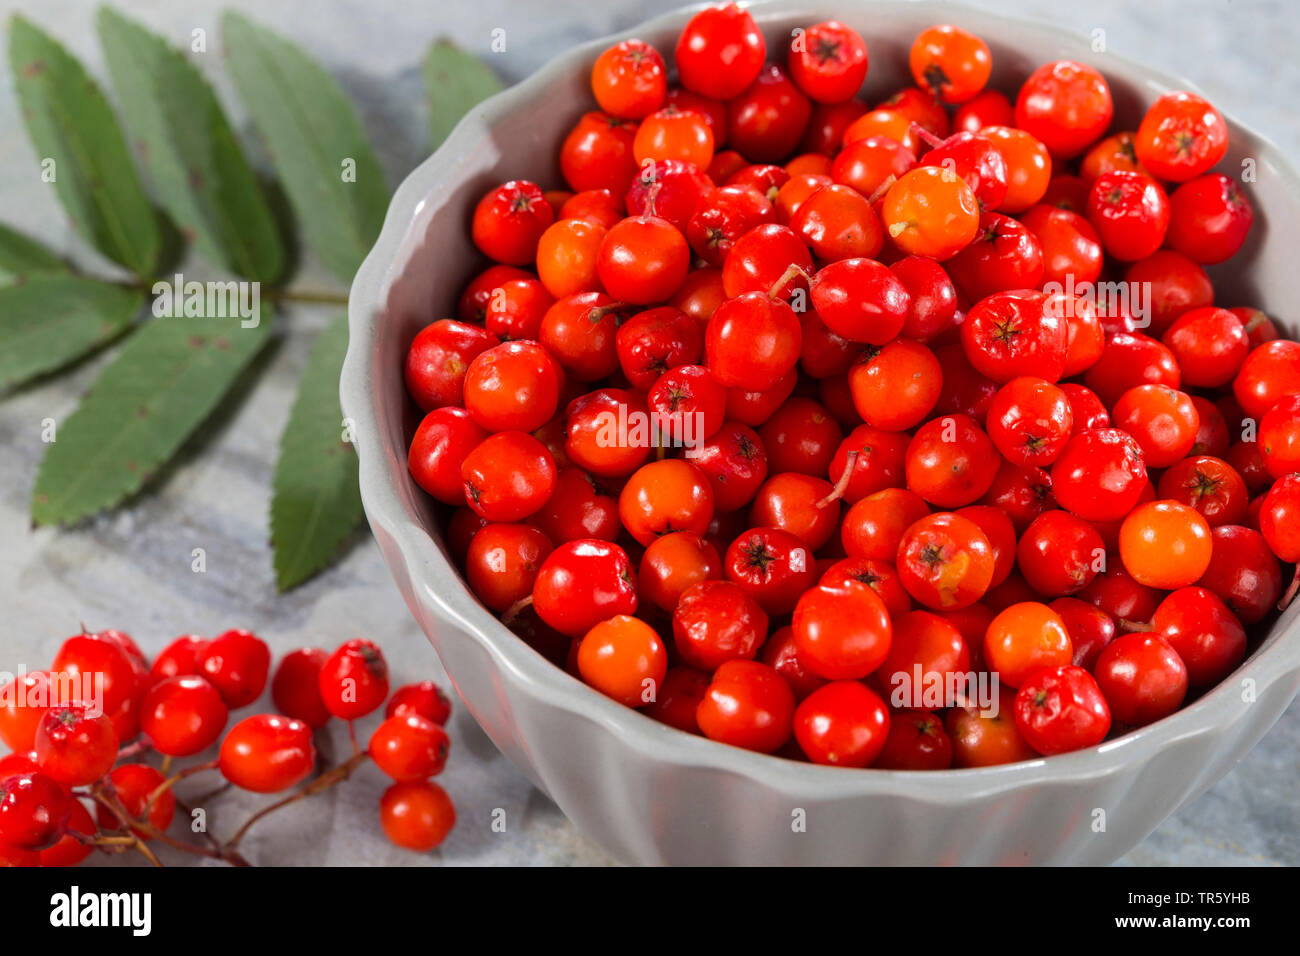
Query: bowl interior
x,y
416,273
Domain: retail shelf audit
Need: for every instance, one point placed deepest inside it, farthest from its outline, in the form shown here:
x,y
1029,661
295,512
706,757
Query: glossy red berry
x,y
828,61
75,745
950,62
752,341
1030,420
1209,218
354,679
1210,485
513,386
509,220
34,810
1100,474
442,441
179,658
842,632
767,120
747,704
843,724
1142,677
1162,420
23,702
582,583
295,688
1060,554
88,657
1004,255
720,52
1180,137
860,300
133,784
773,565
624,658
1059,709
1016,333
629,79
717,621
438,358
267,753
182,716
416,815
1165,544
1130,213
1204,633
951,462
1066,105
643,259
508,476
237,664
1270,373
409,747
424,699
916,741
1243,572
945,561
688,405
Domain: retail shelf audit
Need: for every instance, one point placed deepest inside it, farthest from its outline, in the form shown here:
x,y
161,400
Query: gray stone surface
x,y
131,569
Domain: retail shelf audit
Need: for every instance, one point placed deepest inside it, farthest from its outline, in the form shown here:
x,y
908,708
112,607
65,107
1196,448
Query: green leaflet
x,y
455,81
315,139
159,389
203,180
48,320
316,503
70,122
21,256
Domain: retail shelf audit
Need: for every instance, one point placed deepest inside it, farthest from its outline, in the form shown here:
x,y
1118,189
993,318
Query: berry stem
x,y
1283,604
130,750
188,810
105,840
793,271
319,785
172,781
841,486
882,188
514,610
1128,626
115,808
925,136
143,827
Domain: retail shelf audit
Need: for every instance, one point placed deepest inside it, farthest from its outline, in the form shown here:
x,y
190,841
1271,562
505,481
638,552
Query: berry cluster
x,y
71,754
898,434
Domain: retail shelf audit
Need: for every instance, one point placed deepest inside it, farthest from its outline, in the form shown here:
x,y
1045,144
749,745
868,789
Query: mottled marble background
x,y
131,569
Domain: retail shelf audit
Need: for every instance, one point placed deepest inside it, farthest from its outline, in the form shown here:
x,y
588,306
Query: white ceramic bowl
x,y
651,794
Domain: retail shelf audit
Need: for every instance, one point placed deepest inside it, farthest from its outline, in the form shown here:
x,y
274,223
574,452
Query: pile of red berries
x,y
938,392
79,732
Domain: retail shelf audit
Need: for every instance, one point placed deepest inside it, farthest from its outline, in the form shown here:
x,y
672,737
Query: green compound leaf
x,y
70,123
21,256
330,173
316,503
48,320
455,81
203,180
159,389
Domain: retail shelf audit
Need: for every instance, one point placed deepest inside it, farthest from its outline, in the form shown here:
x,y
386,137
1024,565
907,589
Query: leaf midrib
x,y
89,470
